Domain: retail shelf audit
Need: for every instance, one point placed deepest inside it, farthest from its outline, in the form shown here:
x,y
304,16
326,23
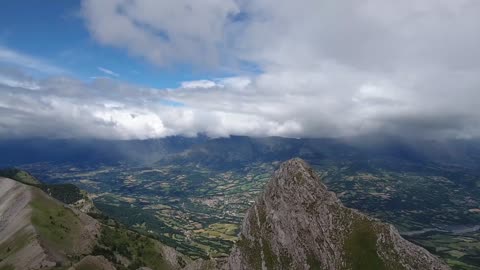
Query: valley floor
x,y
198,210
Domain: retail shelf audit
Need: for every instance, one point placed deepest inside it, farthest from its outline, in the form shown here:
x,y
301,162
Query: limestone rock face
x,y
296,223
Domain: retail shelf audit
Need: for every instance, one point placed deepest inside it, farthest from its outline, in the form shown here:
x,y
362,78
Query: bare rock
x,y
298,224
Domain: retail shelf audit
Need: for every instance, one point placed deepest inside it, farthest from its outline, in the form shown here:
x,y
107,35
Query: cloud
x,y
162,32
18,59
228,82
198,84
308,106
14,78
328,69
105,108
377,35
108,72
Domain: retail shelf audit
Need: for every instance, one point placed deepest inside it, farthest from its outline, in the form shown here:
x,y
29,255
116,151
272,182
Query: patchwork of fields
x,y
199,210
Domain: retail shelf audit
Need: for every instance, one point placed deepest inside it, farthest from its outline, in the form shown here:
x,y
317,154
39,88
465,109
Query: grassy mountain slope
x,y
19,175
40,232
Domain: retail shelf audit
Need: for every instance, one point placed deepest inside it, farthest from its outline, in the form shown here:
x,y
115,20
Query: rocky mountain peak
x,y
296,223
297,184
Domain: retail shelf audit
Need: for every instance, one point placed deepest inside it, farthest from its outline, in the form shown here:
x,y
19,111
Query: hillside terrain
x,y
294,223
39,232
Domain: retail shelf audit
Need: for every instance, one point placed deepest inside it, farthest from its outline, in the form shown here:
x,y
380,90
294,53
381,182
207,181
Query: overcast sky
x,y
125,69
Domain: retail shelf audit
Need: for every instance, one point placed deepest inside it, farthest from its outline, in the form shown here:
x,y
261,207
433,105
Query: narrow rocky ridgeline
x,y
37,231
298,224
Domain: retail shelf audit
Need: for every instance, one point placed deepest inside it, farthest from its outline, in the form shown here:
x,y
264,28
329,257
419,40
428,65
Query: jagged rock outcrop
x,y
85,205
298,224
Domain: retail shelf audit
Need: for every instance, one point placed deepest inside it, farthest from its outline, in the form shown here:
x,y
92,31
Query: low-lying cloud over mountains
x,y
323,68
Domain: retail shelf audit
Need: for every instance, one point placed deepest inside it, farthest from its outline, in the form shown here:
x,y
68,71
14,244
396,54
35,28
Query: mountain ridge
x,y
38,231
296,223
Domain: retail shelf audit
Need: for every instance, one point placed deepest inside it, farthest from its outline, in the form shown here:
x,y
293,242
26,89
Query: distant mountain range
x,y
236,151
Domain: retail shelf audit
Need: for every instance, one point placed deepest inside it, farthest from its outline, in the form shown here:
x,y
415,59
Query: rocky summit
x,y
296,223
